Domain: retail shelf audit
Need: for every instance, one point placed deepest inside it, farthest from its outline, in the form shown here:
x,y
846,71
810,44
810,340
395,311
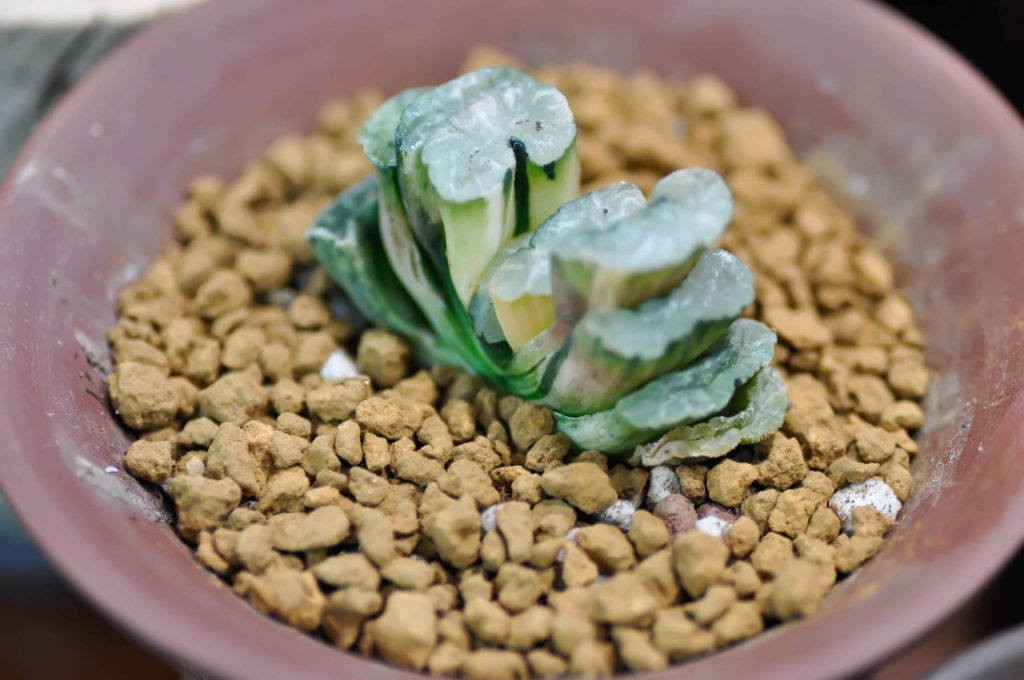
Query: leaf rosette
x,y
614,310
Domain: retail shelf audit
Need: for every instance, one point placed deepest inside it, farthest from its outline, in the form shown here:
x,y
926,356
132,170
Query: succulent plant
x,y
614,310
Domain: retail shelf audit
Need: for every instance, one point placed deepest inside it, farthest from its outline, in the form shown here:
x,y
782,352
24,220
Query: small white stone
x,y
339,365
661,484
713,526
489,517
620,513
570,537
110,469
874,492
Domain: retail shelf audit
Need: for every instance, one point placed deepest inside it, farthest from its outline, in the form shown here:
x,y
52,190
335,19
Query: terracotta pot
x,y
932,158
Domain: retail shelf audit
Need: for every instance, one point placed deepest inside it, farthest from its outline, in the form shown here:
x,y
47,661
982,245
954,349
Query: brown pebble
x,y
547,452
493,664
636,650
230,457
151,461
742,537
584,485
142,396
728,481
544,664
529,423
699,560
743,620
406,632
455,531
577,568
771,554
233,398
337,402
322,528
856,551
458,415
290,595
202,504
679,638
607,546
649,533
658,575
784,466
623,599
487,621
692,481
390,418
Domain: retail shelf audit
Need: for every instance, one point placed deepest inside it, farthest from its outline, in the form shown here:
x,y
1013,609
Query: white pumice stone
x,y
570,537
489,517
620,513
339,365
713,526
661,484
873,492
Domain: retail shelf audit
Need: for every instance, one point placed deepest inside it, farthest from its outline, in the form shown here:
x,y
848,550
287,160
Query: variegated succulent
x,y
614,310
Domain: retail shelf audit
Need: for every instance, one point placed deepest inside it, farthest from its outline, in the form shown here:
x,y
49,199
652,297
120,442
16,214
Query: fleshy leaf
x,y
648,253
520,371
447,318
482,158
377,136
755,412
522,272
346,240
528,271
525,318
614,351
415,127
701,389
422,283
523,373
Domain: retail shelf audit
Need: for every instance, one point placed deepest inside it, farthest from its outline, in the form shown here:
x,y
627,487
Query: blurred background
x,y
46,630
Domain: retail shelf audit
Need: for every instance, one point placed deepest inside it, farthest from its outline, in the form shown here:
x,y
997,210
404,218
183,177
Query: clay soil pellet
x,y
413,514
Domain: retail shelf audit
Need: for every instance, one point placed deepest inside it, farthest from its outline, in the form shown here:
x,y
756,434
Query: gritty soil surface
x,y
420,517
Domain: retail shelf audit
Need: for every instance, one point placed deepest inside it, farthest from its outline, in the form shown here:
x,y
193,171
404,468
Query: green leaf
x,y
528,270
518,283
614,351
412,269
470,154
346,240
543,189
523,373
648,253
426,286
474,232
377,136
755,412
701,389
522,269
